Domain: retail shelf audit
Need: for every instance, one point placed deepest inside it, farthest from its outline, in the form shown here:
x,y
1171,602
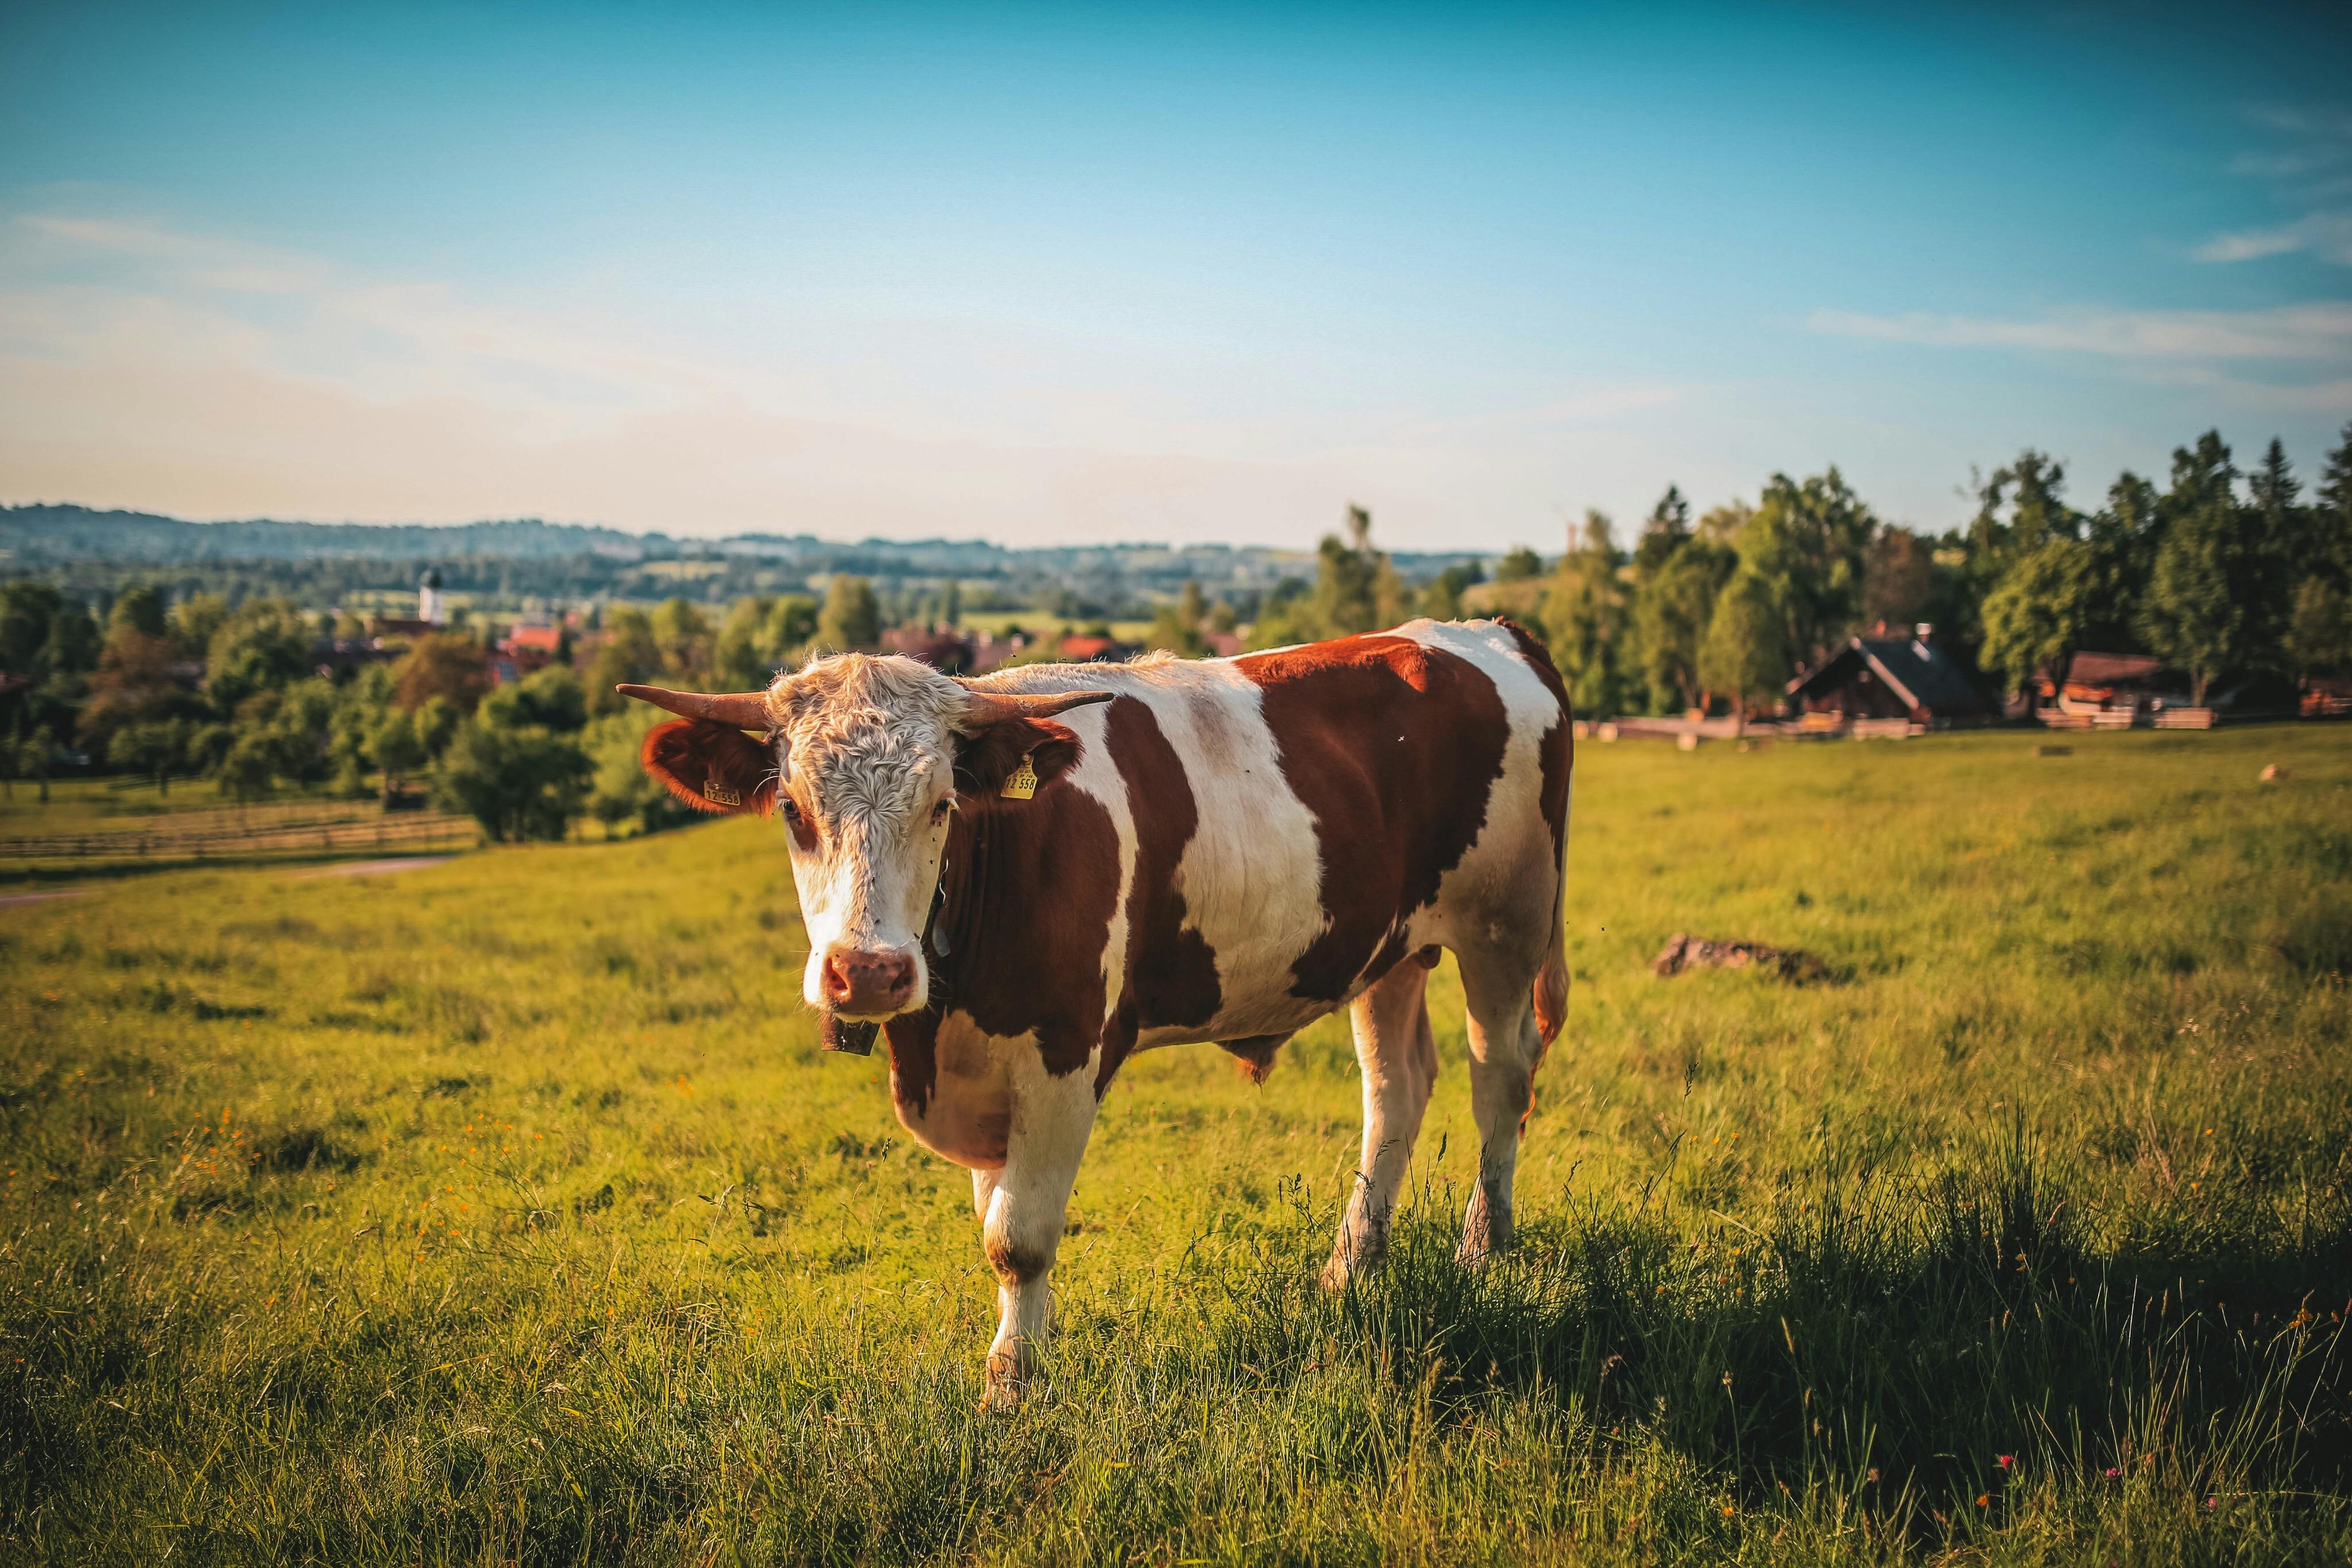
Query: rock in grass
x,y
1684,951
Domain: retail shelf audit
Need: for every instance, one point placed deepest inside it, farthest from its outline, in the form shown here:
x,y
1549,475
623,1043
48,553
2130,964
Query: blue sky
x,y
1061,274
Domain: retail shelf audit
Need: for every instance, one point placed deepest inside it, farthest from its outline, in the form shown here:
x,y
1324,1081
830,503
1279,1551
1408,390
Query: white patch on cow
x,y
1097,775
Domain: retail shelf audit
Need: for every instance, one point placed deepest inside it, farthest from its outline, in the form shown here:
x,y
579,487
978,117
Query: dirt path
x,y
10,900
377,868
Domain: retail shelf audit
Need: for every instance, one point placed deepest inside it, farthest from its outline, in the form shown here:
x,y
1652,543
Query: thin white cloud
x,y
2310,174
2321,331
2326,235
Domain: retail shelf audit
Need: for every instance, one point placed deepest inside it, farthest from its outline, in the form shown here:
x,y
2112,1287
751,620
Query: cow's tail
x,y
1551,981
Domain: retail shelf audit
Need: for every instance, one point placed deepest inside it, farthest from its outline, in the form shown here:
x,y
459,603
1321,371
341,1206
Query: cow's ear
x,y
990,755
711,766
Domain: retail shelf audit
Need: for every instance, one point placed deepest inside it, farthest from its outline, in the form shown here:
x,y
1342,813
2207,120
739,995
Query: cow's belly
x,y
968,1115
1259,995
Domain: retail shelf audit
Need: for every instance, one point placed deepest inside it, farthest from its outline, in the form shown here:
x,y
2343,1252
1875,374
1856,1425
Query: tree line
x,y
2218,572
2221,571
240,695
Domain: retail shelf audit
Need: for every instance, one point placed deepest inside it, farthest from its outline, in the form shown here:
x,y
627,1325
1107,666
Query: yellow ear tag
x,y
1022,783
717,794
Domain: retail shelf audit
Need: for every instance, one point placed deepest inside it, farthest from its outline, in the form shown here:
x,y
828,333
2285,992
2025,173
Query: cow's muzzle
x,y
868,984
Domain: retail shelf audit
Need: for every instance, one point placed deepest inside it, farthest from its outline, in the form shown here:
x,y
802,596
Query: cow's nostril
x,y
836,977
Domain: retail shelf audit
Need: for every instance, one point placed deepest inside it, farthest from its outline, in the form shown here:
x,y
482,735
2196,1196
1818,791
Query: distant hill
x,y
92,553
50,534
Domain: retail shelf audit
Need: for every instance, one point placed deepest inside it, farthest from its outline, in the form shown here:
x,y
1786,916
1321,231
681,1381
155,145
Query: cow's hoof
x,y
1007,1377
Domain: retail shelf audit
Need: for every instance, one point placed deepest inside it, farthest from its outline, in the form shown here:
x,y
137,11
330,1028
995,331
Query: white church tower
x,y
432,604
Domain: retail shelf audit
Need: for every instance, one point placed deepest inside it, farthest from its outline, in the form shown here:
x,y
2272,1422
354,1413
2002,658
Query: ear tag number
x,y
717,794
1023,782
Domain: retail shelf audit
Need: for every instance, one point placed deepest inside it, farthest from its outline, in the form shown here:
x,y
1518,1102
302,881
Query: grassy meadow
x,y
506,1211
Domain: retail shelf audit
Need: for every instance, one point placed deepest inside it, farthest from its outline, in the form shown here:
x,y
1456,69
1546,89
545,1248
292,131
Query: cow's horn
x,y
997,707
744,710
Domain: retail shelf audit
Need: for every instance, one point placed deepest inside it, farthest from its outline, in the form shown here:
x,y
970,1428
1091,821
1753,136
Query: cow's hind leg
x,y
1399,1060
1504,1048
1022,1209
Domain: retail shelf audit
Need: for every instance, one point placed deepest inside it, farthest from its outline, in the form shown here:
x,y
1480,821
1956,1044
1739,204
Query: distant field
x,y
506,1211
95,825
1037,624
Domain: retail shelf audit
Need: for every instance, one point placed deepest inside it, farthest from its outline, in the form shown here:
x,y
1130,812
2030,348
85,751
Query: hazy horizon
x,y
1057,279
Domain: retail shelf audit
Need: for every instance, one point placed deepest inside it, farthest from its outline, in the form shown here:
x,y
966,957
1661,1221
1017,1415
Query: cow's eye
x,y
939,813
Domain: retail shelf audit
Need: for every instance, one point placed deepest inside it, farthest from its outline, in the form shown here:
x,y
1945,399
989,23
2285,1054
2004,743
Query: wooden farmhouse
x,y
1888,686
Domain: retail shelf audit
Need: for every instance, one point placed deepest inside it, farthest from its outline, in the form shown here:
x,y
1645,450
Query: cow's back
x,y
1295,822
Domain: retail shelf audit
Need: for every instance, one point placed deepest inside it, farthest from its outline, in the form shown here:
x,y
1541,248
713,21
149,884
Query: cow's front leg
x,y
1023,1210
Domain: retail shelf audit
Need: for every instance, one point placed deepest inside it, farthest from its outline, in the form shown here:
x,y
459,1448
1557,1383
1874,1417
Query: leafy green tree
x,y
1745,655
759,636
436,723
1898,580
1176,627
851,620
552,698
1356,589
138,609
155,749
1586,621
27,609
136,684
683,633
2035,617
193,623
2019,511
519,782
1673,607
36,755
1518,565
263,645
628,654
2123,536
1440,596
2319,628
2331,524
444,665
2280,546
1803,547
2202,592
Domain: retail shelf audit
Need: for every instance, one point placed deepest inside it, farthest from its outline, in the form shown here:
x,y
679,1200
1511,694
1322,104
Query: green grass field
x,y
506,1211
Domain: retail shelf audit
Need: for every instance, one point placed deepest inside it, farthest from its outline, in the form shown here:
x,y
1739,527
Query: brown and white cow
x,y
1214,852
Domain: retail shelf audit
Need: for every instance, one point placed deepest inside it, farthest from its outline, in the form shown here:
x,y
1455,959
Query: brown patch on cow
x,y
1254,1056
711,766
1014,1264
1175,971
985,760
1031,889
1391,745
914,1057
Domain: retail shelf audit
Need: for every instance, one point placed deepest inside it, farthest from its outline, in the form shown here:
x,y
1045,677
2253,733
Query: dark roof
x,y
1923,674
2113,669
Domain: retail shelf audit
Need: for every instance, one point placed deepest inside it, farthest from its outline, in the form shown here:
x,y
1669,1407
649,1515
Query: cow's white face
x,y
863,765
867,805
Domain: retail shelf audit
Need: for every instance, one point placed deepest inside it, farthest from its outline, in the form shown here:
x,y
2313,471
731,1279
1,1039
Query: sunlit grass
x,y
506,1211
